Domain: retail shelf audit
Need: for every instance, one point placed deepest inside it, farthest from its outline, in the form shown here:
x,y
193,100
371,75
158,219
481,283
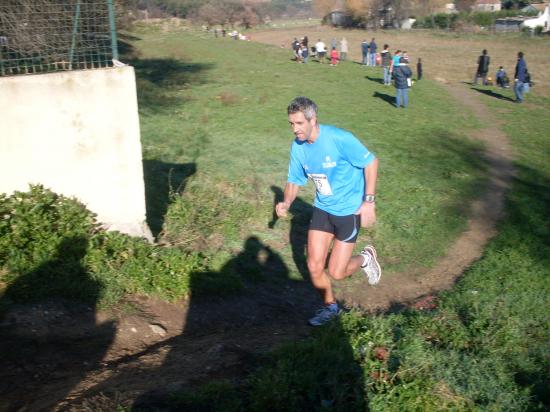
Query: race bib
x,y
321,183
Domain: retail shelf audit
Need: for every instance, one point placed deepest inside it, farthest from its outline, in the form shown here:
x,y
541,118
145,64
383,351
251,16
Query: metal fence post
x,y
75,32
112,27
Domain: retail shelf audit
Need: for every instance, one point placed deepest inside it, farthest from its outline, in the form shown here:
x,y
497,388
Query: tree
x,y
227,12
211,14
403,9
248,16
429,7
324,7
362,11
515,4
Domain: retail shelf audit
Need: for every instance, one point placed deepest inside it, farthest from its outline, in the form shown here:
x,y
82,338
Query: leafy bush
x,y
454,20
51,245
128,265
34,224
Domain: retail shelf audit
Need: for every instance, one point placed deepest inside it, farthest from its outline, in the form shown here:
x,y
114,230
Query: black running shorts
x,y
344,228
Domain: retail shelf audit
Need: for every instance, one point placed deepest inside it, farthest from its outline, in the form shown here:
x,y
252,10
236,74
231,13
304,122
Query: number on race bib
x,y
321,183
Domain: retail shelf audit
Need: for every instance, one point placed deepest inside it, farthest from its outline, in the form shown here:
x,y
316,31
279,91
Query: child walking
x,y
334,57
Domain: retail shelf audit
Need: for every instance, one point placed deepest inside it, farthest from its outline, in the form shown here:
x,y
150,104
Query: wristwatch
x,y
370,198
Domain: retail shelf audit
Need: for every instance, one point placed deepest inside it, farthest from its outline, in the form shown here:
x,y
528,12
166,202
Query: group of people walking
x,y
319,51
522,78
396,67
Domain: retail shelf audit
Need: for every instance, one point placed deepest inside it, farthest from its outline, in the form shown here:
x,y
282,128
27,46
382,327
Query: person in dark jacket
x,y
482,68
386,64
402,76
520,78
419,69
372,49
365,52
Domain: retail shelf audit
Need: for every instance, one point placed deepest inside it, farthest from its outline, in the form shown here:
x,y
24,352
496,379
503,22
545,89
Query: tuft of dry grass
x,y
446,56
228,98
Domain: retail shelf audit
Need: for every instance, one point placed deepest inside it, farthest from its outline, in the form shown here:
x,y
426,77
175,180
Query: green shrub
x,y
51,246
34,224
128,265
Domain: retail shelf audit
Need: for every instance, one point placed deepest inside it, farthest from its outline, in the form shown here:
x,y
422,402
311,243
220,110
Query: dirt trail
x,y
483,215
72,358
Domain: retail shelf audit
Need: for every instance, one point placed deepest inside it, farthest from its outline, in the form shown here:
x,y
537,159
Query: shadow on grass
x,y
492,93
386,97
301,213
235,316
160,81
161,181
234,364
375,79
55,334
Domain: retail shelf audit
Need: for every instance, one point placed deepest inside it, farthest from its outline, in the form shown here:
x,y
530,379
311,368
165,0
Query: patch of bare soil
x,y
59,356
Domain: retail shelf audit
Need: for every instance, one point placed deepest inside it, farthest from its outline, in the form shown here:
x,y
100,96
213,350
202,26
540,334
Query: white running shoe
x,y
370,265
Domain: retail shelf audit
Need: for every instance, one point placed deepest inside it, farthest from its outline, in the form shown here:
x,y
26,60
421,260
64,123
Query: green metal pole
x,y
75,31
112,26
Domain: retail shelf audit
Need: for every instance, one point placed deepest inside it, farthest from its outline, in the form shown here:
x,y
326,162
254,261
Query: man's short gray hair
x,y
304,105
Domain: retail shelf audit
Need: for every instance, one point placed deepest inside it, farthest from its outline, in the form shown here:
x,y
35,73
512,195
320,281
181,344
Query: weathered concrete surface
x,y
76,133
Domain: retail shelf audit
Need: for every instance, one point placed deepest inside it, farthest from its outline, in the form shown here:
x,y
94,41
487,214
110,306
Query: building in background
x,y
542,20
487,5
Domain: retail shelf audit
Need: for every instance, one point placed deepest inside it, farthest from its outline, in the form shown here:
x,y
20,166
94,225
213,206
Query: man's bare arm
x,y
368,209
291,191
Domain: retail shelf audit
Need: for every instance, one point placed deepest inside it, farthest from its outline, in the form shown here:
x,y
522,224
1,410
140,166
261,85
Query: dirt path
x,y
72,358
483,215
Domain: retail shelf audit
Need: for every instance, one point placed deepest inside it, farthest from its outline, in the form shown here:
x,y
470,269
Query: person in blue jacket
x,y
373,48
344,173
402,76
365,52
520,78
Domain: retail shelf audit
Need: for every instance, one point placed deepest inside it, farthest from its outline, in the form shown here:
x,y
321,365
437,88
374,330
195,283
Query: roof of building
x,y
539,6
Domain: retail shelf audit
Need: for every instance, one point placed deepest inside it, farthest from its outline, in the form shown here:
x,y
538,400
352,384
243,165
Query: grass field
x,y
446,56
215,145
229,126
485,346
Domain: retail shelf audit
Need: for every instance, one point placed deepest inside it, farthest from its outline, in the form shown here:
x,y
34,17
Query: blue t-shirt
x,y
396,61
335,163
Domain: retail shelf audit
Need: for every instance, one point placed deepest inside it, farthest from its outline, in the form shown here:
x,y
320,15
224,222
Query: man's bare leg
x,y
318,244
342,264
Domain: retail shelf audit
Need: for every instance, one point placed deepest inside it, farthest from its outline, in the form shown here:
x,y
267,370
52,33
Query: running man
x,y
344,173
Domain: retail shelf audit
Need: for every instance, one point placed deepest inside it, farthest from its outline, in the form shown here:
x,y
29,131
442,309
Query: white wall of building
x,y
542,20
77,133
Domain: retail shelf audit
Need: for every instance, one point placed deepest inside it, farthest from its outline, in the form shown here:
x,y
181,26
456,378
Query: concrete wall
x,y
76,133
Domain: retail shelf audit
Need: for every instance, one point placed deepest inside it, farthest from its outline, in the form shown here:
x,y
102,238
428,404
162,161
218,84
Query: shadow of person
x,y
233,318
161,180
386,97
227,338
375,79
492,93
47,347
301,214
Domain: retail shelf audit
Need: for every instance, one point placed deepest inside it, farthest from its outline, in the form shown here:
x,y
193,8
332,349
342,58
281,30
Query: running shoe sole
x,y
372,251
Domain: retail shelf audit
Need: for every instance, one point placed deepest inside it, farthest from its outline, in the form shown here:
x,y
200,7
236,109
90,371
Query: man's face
x,y
301,127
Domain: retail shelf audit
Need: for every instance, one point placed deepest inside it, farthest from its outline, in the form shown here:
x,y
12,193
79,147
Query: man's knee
x,y
336,273
315,267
